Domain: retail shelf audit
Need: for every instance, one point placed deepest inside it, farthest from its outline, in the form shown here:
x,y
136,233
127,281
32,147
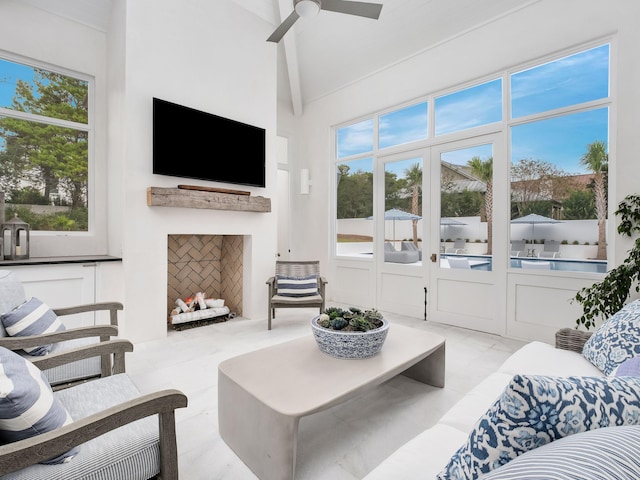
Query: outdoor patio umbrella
x,y
447,222
534,219
397,214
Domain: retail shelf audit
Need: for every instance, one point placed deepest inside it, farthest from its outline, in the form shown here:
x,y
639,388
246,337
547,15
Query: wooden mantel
x,y
178,197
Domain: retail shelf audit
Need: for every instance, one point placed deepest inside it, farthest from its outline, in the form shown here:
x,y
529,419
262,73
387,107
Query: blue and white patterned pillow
x,y
27,404
615,340
304,286
32,318
535,410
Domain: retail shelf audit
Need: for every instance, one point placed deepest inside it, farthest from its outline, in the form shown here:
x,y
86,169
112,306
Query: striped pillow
x,y
306,286
609,452
32,318
27,404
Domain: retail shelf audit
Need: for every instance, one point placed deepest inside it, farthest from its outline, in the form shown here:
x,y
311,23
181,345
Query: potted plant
x,y
601,300
349,333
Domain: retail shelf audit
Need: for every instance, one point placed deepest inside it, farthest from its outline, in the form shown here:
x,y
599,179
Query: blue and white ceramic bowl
x,y
349,344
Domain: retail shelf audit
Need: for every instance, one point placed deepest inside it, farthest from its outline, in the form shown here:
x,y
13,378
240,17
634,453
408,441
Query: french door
x,y
402,231
468,234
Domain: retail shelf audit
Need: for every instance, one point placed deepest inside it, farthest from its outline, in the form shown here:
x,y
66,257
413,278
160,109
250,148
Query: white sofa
x,y
427,454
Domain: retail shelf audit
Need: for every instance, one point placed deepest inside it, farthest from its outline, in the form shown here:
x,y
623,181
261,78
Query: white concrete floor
x,y
342,443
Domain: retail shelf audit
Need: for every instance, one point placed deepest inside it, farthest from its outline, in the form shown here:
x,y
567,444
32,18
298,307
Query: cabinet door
x,y
62,286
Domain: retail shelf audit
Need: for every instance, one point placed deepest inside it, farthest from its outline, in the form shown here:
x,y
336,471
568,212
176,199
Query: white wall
x,y
541,29
211,56
207,55
569,230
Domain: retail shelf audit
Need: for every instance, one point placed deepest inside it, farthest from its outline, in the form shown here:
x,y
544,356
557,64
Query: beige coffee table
x,y
263,394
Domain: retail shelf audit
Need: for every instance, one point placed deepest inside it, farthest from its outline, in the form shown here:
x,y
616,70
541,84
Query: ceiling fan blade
x,y
284,27
361,9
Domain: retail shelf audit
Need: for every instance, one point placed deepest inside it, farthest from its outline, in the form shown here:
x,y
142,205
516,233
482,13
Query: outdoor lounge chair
x,y
296,285
551,249
404,256
111,432
518,248
458,246
535,265
459,262
410,247
12,296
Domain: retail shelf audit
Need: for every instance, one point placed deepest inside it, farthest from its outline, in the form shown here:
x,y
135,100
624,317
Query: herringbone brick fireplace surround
x,y
211,264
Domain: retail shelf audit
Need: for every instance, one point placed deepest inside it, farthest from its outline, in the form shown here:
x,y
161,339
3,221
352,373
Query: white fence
x,y
571,231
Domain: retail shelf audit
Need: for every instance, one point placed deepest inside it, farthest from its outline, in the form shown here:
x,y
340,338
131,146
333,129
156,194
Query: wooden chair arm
x,y
272,287
17,455
17,343
116,347
323,282
113,308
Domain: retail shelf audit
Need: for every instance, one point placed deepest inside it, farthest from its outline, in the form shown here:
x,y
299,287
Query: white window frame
x,y
69,243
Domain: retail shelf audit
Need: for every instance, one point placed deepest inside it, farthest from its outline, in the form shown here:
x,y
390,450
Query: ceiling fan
x,y
308,8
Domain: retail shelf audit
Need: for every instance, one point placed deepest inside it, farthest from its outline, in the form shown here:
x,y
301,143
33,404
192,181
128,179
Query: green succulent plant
x,y
333,312
339,323
324,320
372,314
352,319
360,324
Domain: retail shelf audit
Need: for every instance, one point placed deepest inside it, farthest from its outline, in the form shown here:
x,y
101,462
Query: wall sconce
x,y
18,241
304,181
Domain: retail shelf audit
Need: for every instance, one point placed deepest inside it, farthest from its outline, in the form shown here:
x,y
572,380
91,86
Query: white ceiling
x,y
333,50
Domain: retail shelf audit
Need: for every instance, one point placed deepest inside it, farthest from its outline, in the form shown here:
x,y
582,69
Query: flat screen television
x,y
190,143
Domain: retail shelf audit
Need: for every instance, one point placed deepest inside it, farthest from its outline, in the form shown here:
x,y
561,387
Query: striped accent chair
x,y
13,302
296,285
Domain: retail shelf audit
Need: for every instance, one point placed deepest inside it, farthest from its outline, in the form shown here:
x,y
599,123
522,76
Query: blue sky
x,y
10,73
562,140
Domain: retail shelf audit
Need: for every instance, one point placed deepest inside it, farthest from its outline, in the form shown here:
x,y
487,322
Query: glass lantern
x,y
15,236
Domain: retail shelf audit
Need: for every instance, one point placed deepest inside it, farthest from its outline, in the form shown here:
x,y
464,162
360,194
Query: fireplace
x,y
212,264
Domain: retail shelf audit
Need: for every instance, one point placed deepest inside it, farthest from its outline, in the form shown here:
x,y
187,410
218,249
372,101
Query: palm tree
x,y
413,176
597,160
483,170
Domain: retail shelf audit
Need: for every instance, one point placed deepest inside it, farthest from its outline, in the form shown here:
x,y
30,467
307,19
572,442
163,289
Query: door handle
x,y
434,257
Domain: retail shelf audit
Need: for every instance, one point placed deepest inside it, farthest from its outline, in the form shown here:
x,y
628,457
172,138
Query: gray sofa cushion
x,y
70,372
130,452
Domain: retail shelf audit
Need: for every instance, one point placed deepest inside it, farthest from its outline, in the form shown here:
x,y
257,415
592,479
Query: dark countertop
x,y
59,260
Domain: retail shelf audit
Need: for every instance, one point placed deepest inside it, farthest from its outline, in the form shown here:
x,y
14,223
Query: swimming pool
x,y
557,264
567,265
